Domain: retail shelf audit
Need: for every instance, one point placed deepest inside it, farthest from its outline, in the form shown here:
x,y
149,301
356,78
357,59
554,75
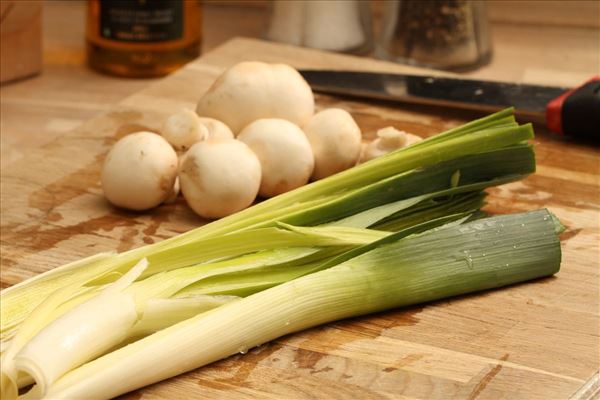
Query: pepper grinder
x,y
443,34
343,26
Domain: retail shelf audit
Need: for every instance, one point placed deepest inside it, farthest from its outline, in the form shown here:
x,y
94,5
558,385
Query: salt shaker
x,y
443,34
343,26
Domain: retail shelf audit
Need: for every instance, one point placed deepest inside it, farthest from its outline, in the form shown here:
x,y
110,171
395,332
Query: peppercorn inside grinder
x,y
442,34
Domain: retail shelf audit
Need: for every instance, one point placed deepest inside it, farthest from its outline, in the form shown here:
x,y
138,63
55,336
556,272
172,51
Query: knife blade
x,y
531,101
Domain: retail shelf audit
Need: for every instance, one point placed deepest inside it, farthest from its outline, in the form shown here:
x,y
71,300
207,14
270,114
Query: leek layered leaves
x,y
398,230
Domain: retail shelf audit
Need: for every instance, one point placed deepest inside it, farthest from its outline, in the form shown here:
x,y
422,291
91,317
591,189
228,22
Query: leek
x,y
449,261
118,307
18,300
267,250
324,201
162,313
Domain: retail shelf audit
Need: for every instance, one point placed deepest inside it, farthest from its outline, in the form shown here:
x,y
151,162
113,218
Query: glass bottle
x,y
142,38
443,34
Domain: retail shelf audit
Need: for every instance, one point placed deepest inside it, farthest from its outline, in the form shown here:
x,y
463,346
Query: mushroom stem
x,y
391,138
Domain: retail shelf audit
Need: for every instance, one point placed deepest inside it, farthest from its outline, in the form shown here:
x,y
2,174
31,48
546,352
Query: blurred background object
x,y
442,34
547,42
333,25
140,38
20,39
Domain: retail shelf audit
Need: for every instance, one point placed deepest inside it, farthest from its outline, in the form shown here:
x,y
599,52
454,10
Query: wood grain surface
x,y
538,340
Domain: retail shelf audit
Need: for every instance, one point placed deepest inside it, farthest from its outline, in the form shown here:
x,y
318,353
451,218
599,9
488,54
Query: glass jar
x,y
334,25
140,38
443,34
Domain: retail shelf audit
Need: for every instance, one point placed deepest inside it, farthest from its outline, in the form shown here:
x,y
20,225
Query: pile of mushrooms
x,y
254,133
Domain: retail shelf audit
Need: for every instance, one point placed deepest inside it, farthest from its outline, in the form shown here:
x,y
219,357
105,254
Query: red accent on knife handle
x,y
576,112
554,112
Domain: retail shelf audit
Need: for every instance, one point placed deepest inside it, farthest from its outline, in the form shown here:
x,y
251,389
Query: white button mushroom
x,y
286,158
412,139
253,90
139,171
216,129
219,177
183,129
335,140
388,139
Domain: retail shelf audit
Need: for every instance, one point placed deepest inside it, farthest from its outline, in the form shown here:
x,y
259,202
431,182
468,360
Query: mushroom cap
x,y
139,171
391,138
216,129
219,177
253,90
335,140
183,129
388,140
285,155
412,139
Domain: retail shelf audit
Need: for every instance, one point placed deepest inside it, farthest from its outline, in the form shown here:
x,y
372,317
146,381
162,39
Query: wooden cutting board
x,y
538,340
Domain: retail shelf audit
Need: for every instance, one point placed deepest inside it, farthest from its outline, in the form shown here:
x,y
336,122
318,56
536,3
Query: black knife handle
x,y
577,112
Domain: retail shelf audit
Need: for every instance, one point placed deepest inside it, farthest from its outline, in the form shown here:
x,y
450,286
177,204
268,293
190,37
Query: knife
x,y
570,111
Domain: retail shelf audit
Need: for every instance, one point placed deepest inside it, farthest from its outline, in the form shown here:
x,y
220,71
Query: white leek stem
x,y
41,316
16,303
249,322
77,337
162,313
82,334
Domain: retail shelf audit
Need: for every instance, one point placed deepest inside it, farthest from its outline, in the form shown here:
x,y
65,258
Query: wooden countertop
x,y
552,43
537,340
